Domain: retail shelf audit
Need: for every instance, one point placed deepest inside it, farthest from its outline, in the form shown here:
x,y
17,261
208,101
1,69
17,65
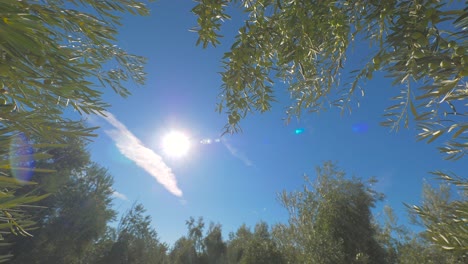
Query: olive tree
x,y
330,221
421,46
443,215
55,54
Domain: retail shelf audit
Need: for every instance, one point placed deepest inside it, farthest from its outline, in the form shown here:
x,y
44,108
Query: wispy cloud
x,y
131,147
236,153
120,196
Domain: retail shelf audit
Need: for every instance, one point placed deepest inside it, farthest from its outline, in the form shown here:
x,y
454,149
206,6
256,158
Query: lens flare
x,y
299,131
208,141
360,127
21,158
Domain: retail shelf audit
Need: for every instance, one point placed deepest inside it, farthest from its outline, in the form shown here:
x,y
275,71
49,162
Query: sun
x,y
176,144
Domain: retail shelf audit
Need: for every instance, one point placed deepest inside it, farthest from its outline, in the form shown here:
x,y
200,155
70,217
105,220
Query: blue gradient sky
x,y
236,181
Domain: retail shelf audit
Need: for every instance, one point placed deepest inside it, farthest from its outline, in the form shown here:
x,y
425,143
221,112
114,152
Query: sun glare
x,y
176,144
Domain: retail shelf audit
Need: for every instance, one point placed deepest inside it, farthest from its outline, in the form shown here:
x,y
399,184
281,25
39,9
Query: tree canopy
x,y
53,55
445,218
331,221
136,240
58,54
76,216
421,46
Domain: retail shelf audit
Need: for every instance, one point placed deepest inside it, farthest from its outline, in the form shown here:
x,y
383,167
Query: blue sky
x,y
236,180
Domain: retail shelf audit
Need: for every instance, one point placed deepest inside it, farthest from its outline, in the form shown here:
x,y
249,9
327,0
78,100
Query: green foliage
x,y
51,54
64,160
404,247
392,236
78,216
304,44
17,195
258,247
50,50
445,218
236,246
184,252
419,251
99,248
137,241
330,221
15,218
215,247
19,161
197,247
261,248
195,232
420,45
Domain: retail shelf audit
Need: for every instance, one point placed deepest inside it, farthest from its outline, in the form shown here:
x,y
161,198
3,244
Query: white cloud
x,y
131,147
120,196
236,153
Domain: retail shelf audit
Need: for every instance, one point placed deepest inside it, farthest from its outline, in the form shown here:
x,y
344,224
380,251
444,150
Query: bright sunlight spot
x,y
175,144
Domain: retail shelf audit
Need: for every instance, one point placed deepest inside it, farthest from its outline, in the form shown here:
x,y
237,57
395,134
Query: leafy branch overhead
x,y
445,220
421,45
53,55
